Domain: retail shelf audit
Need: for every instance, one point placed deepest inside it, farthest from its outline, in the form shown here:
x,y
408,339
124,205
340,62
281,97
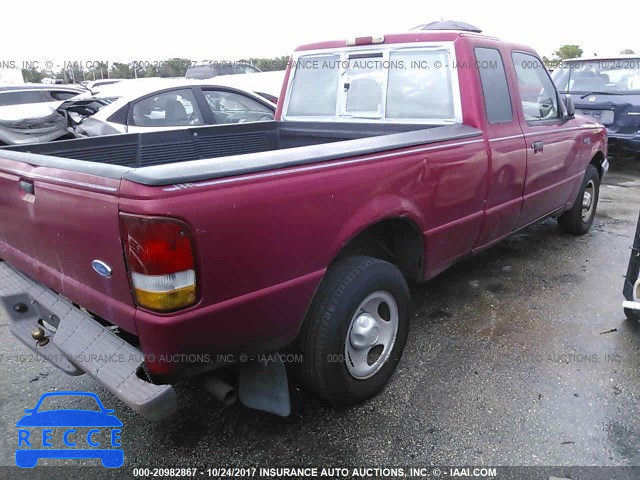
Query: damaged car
x,y
607,89
28,113
147,105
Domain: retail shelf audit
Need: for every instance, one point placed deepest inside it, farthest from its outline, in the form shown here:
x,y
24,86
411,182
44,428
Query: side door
x,y
552,144
224,106
164,110
506,145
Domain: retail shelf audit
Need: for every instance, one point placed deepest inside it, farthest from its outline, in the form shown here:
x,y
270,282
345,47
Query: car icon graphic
x,y
32,446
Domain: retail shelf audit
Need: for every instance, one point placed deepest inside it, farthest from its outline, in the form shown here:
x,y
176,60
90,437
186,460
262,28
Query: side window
x,y
539,98
62,95
229,107
314,90
245,68
22,97
176,108
497,101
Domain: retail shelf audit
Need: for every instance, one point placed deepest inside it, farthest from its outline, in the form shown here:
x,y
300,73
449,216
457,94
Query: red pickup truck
x,y
150,258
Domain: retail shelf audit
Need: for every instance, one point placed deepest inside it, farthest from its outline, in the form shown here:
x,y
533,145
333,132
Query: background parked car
x,y
147,105
28,112
93,85
265,84
205,70
607,89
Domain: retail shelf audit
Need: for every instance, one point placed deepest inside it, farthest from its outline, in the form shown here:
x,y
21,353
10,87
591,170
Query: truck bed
x,y
221,151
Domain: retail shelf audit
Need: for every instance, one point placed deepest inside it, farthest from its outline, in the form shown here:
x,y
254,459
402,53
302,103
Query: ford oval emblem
x,y
101,268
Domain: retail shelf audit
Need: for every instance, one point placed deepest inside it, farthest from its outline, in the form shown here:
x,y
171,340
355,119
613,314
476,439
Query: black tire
x,y
632,315
324,333
571,221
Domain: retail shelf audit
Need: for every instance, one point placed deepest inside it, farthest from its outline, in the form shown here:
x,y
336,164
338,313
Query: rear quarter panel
x,y
263,241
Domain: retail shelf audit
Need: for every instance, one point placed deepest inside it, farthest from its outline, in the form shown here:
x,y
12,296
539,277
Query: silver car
x,y
28,112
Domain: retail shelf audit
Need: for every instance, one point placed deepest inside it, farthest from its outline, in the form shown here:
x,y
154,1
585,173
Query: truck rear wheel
x,y
356,330
578,220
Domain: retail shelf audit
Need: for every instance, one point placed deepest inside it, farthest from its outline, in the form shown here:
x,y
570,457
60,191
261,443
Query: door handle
x,y
27,186
537,146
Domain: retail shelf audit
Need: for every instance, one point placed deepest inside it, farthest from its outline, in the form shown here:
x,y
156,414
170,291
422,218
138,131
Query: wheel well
x,y
596,161
397,241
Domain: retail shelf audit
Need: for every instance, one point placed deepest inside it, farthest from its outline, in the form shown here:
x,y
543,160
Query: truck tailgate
x,y
54,224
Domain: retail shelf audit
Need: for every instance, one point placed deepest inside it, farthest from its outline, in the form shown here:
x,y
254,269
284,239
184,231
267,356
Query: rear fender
x,y
376,210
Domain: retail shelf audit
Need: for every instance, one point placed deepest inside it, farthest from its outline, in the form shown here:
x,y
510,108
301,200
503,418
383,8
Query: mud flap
x,y
263,385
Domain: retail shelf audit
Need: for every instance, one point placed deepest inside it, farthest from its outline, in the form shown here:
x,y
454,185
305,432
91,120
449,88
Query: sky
x,y
130,30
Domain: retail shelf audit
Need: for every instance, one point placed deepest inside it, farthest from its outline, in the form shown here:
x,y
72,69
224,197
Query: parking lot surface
x,y
520,355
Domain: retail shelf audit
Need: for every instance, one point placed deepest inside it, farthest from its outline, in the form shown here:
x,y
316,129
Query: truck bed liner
x,y
221,151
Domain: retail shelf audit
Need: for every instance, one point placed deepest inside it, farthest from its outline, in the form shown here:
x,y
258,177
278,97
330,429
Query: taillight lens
x,y
160,260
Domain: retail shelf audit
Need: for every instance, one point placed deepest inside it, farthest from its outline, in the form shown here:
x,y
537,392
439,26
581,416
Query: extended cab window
x,y
538,94
386,84
169,109
497,101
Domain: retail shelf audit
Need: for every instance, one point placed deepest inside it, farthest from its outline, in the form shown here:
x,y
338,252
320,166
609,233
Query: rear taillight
x,y
160,260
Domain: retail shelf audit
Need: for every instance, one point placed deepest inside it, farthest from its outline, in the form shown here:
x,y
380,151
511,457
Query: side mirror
x,y
571,109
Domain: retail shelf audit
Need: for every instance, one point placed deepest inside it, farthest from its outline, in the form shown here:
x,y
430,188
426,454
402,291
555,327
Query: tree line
x,y
177,67
565,52
173,67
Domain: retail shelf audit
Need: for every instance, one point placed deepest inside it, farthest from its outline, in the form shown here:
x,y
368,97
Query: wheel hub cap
x,y
587,200
371,335
364,332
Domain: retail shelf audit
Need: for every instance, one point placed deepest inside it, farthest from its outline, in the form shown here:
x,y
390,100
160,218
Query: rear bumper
x,y
605,167
623,143
79,344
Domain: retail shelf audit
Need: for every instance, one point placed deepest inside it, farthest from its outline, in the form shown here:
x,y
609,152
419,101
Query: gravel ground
x,y
507,363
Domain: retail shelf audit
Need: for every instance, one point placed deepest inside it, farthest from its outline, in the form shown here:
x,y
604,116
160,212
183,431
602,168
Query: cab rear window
x,y
384,84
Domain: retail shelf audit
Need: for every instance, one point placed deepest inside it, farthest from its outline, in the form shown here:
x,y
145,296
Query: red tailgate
x,y
54,224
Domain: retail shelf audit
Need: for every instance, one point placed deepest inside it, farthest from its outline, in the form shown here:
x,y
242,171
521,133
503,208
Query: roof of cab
x,y
405,37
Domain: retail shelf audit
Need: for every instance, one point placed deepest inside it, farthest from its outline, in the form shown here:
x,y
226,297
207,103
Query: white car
x,y
28,112
145,105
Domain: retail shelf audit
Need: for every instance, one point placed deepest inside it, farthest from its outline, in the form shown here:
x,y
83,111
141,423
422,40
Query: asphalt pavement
x,y
520,355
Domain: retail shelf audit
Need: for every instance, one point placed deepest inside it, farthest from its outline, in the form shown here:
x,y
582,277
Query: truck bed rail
x,y
217,152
